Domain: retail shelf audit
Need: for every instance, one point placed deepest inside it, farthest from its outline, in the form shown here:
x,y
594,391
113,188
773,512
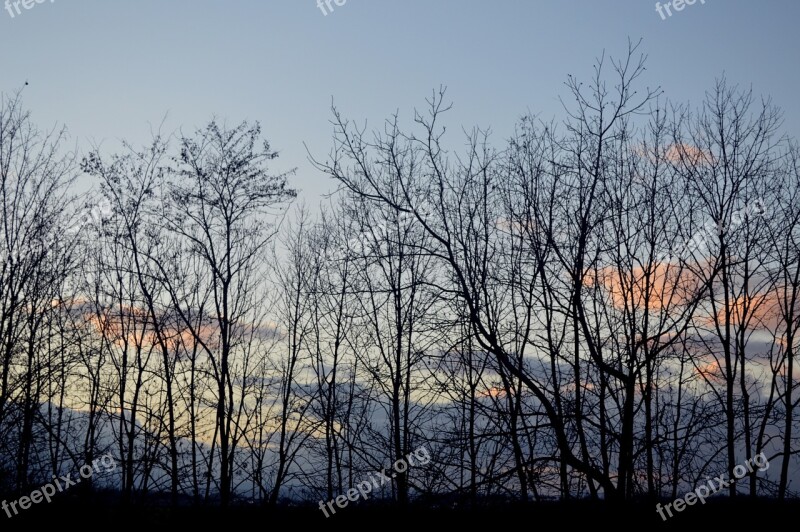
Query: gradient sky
x,y
109,70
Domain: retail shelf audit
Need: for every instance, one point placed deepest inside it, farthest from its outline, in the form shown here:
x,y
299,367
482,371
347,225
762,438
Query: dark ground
x,y
98,514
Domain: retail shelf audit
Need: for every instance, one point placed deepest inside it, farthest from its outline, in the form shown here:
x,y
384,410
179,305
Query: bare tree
x,y
219,201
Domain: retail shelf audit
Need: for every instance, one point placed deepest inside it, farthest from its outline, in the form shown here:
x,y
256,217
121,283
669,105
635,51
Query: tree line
x,y
603,306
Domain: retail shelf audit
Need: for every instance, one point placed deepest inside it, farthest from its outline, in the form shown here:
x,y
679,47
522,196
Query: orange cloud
x,y
675,153
687,153
665,285
760,311
711,371
493,392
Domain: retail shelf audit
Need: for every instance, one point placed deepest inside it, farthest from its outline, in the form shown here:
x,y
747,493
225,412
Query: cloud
x,y
665,286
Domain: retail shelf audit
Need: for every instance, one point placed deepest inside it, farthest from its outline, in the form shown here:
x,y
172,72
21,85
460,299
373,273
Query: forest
x,y
603,307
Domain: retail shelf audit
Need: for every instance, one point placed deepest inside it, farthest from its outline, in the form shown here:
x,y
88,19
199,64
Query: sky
x,y
113,69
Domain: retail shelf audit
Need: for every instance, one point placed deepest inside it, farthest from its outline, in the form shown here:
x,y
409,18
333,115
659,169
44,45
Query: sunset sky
x,y
554,243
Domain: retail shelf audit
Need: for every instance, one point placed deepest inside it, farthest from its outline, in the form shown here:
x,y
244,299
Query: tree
x,y
223,203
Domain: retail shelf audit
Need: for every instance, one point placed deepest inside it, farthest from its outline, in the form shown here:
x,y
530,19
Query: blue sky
x,y
111,69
